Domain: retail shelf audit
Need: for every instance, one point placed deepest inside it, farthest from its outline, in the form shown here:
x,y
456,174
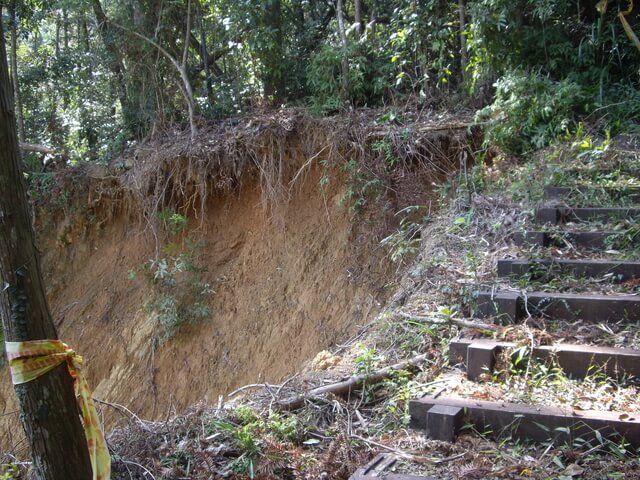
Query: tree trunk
x,y
358,8
204,54
14,70
343,39
463,40
116,64
185,86
274,81
49,413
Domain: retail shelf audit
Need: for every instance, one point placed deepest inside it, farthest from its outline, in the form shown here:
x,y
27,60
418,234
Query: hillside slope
x,y
206,267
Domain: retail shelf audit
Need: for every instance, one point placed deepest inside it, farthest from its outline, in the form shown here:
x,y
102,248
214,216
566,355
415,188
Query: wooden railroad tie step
x,y
619,271
540,424
479,356
540,238
560,193
558,215
514,306
595,172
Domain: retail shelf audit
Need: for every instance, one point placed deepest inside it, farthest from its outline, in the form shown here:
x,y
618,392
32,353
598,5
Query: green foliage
x,y
367,361
172,222
244,53
180,294
366,81
363,186
530,111
252,432
9,471
406,239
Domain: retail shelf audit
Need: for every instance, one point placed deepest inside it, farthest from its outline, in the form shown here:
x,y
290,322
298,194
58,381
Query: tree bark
x,y
358,13
343,40
463,39
49,413
273,78
14,69
116,64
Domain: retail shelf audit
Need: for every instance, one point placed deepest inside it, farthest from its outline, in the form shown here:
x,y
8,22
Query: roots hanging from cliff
x,y
278,148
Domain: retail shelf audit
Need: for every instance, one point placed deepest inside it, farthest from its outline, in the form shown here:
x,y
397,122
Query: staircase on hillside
x,y
558,225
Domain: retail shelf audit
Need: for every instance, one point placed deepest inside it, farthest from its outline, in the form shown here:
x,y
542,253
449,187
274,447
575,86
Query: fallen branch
x,y
352,383
32,147
449,320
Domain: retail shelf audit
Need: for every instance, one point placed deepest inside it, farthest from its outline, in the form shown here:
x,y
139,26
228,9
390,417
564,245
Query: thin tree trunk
x,y
49,412
463,40
65,26
57,48
346,387
185,76
116,64
14,70
185,86
274,80
358,8
343,39
204,53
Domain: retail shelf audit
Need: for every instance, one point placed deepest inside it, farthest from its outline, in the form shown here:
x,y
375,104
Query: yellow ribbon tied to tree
x,y
29,360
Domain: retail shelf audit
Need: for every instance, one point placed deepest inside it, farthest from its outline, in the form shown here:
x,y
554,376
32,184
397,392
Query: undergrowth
x,y
180,294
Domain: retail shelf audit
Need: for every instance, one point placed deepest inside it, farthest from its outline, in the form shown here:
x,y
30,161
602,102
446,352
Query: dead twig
x,y
409,456
146,470
252,385
124,410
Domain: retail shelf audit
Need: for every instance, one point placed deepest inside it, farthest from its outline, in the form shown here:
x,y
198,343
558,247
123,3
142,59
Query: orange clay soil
x,y
288,283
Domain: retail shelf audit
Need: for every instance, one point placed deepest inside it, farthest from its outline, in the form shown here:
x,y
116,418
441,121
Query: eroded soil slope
x,y
285,275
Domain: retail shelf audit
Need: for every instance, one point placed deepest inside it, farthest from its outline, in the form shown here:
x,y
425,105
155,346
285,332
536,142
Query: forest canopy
x,y
91,76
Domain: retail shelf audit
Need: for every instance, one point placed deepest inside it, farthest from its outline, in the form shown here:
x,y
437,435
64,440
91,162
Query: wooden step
x,y
619,271
561,193
536,423
590,240
513,306
559,215
598,172
478,356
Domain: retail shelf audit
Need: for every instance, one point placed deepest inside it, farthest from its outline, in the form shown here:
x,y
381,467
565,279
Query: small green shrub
x,y
172,222
180,292
406,239
363,186
370,73
530,111
9,471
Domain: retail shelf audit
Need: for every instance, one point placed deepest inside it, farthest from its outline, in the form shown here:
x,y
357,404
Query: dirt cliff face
x,y
286,283
287,267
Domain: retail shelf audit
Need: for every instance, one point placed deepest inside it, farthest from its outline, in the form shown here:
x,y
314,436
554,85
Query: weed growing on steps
x,y
627,242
